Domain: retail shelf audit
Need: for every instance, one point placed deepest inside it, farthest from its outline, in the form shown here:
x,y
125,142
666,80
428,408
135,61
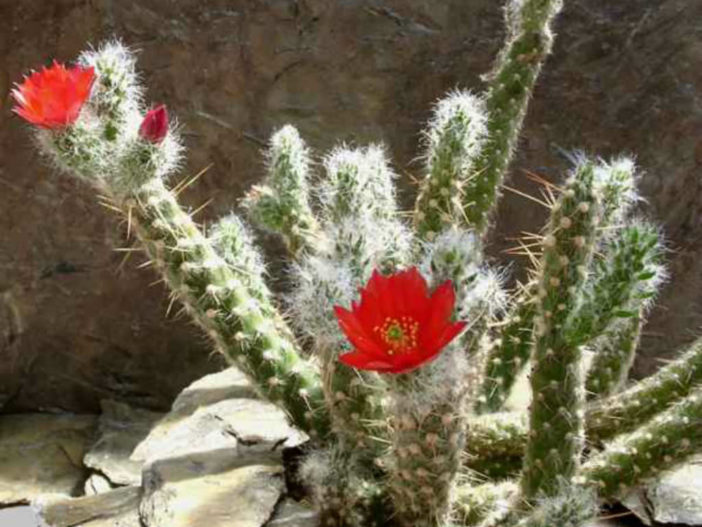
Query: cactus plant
x,y
398,345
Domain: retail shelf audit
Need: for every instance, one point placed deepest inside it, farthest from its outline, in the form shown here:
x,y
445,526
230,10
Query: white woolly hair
x,y
460,117
318,285
361,178
463,245
118,61
617,180
286,141
360,237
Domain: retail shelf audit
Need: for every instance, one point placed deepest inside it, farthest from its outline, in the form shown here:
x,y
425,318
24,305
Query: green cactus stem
x,y
529,41
669,438
425,453
218,295
614,354
453,137
556,414
504,434
623,281
509,354
282,203
627,410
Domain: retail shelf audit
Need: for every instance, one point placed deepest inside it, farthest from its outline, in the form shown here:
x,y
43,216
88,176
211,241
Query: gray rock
x,y
186,495
290,513
42,454
97,484
23,516
202,422
121,429
675,497
215,459
109,507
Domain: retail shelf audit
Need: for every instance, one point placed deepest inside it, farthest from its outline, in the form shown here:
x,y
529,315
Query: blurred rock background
x,y
75,327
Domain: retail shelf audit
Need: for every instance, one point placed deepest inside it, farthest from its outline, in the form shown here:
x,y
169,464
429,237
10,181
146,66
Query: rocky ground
x,y
216,459
76,328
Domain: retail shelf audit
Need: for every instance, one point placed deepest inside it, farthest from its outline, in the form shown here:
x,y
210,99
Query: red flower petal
x,y
53,97
364,362
356,333
441,302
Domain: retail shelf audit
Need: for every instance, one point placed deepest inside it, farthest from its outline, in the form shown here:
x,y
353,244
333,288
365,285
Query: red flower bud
x,y
154,127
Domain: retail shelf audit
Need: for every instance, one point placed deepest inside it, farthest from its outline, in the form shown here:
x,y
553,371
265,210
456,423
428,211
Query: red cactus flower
x,y
53,97
154,127
398,326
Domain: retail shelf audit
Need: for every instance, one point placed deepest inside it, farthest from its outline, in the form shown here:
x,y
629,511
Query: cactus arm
x,y
623,281
500,435
555,419
614,355
509,354
244,324
247,329
624,411
529,41
496,435
669,438
425,454
282,203
454,135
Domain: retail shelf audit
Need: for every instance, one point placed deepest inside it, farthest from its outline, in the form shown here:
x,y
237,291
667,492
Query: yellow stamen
x,y
400,334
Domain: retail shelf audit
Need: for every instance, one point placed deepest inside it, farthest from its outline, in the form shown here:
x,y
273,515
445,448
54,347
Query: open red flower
x,y
398,326
53,97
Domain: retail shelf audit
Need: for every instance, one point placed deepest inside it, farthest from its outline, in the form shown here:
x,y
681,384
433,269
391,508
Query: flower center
x,y
400,334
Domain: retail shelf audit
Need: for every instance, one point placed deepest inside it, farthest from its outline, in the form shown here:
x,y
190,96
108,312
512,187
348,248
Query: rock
x,y
74,331
109,507
675,497
201,421
23,516
121,429
185,495
215,459
42,453
97,484
226,384
291,513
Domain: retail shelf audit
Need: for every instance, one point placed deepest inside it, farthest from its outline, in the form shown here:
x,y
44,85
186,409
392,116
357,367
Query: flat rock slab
x,y
42,454
206,417
121,429
243,496
101,509
675,497
290,513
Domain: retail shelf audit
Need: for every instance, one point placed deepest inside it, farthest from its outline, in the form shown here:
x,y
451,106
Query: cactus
x,y
397,345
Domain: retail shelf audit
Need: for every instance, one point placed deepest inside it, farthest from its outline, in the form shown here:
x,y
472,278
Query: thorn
x,y
542,180
527,196
180,187
172,301
129,222
201,207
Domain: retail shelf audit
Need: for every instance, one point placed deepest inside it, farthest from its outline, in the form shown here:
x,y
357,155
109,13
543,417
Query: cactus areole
x,y
398,326
53,97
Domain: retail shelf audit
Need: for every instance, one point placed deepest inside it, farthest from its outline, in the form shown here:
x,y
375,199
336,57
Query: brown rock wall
x,y
76,328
